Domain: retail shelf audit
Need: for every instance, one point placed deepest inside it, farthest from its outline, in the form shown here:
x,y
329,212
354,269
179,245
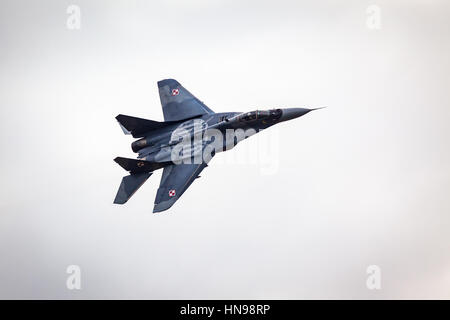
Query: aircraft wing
x,y
178,103
174,182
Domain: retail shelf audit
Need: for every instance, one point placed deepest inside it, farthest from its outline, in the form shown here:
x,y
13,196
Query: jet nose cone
x,y
292,113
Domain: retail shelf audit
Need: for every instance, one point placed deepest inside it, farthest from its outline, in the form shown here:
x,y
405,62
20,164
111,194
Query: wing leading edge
x,y
178,103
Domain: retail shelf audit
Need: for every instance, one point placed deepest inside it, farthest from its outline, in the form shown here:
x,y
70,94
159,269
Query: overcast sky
x,y
363,182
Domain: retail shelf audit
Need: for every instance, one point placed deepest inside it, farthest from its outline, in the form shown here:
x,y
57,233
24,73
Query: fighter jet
x,y
183,144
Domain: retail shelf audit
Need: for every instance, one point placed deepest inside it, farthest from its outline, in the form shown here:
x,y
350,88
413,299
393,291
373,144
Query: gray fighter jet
x,y
185,142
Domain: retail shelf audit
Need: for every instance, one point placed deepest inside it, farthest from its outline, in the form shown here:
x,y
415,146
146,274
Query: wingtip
x,y
116,201
163,206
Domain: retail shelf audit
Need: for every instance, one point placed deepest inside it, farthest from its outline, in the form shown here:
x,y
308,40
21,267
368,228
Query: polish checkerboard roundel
x,y
175,92
172,193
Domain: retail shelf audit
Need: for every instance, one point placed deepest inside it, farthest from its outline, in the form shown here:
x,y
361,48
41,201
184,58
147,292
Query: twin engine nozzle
x,y
140,144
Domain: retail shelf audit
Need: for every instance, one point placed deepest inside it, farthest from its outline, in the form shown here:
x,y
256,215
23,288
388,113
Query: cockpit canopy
x,y
270,115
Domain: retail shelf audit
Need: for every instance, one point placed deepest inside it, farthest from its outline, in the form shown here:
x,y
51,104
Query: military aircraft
x,y
185,142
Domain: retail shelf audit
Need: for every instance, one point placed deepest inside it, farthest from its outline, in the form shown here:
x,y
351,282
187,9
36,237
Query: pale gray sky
x,y
363,182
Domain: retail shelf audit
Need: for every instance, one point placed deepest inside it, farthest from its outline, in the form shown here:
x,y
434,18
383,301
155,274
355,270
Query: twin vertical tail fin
x,y
138,166
138,127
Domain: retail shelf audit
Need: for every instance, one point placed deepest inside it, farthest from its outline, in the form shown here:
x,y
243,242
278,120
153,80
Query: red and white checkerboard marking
x,y
175,92
172,193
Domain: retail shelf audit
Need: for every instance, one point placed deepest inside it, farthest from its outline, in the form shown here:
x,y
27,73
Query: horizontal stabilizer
x,y
139,166
138,127
130,184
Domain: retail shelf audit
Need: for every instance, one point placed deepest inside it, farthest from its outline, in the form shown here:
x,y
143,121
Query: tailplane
x,y
129,185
